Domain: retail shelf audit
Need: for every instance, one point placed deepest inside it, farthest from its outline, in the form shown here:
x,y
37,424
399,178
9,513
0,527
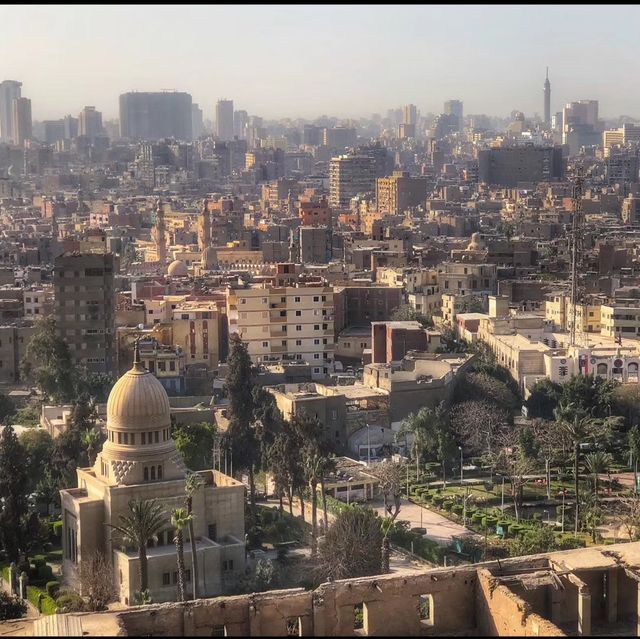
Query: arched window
x,y
146,474
153,473
633,368
159,472
601,369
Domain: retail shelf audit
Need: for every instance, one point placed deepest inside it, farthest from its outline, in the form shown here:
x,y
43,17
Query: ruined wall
x,y
500,612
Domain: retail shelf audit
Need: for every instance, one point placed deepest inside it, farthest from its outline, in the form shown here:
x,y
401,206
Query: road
x,y
439,528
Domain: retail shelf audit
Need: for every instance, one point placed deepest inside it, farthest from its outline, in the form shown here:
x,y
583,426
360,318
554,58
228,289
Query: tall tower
x,y
159,234
547,101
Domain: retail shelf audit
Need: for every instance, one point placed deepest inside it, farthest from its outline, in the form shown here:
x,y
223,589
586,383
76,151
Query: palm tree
x,y
141,525
91,440
180,520
193,483
596,463
578,425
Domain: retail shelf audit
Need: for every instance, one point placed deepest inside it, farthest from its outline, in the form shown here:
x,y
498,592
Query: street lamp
x,y
461,474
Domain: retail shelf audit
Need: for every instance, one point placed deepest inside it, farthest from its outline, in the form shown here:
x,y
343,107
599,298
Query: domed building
x,y
140,461
178,268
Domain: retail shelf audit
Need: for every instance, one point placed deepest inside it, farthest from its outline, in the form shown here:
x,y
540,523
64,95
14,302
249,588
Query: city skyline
x,y
343,50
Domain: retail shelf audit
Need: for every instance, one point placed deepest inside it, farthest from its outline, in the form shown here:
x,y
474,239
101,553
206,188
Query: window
x,y
316,327
159,472
298,313
316,298
187,575
213,532
219,631
146,474
265,344
426,609
227,565
298,342
157,437
166,579
294,627
153,473
298,327
316,356
316,342
175,577
296,299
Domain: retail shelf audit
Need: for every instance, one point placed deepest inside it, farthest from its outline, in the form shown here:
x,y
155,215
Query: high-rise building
x,y
410,114
240,123
397,193
224,120
197,123
339,137
21,120
454,108
580,125
547,101
85,309
90,123
9,90
70,127
507,166
53,131
350,175
156,115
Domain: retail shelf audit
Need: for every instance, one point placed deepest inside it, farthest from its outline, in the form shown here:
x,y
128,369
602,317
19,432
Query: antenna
x,y
576,249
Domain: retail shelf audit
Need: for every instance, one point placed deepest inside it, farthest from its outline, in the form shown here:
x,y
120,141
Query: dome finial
x,y
136,353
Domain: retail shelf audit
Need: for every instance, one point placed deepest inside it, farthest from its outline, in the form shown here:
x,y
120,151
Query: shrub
x,y
457,509
11,607
57,530
437,500
514,529
43,603
447,505
70,602
52,588
38,560
477,517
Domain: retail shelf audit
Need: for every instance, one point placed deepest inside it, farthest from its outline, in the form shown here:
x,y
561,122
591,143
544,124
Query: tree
x,y
390,475
596,463
11,607
544,399
266,575
626,402
240,437
484,387
533,541
38,446
195,443
405,313
627,511
47,363
48,490
590,394
423,427
7,408
351,545
13,484
92,439
192,485
477,424
180,520
96,578
138,527
633,439
578,425
285,464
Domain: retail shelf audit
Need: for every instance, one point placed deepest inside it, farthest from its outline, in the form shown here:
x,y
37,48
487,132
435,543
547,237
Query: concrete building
x,y
391,341
399,192
461,278
315,244
556,594
454,108
157,115
21,114
90,123
339,137
85,308
224,120
286,323
350,175
507,166
547,101
14,339
197,121
9,91
139,461
195,328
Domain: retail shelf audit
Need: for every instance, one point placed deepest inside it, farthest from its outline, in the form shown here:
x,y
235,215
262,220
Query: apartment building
x,y
85,308
559,310
620,320
38,302
195,326
466,278
285,323
350,175
399,192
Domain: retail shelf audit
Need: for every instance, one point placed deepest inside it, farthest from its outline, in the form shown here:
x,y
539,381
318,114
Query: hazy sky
x,y
282,60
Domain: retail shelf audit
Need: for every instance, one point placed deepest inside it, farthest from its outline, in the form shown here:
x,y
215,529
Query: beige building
x,y
621,320
559,311
464,278
285,323
195,327
139,461
399,192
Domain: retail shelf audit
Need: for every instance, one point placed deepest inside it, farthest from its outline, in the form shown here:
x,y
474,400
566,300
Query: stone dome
x,y
138,400
477,243
178,268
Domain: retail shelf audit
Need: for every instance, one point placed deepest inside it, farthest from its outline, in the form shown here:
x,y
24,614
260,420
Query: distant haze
x,y
306,61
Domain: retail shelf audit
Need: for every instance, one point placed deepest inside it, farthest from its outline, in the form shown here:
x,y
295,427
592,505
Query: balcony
x,y
278,319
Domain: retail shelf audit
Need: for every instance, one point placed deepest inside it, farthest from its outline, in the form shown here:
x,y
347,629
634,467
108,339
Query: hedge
x,y
42,602
52,588
57,529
